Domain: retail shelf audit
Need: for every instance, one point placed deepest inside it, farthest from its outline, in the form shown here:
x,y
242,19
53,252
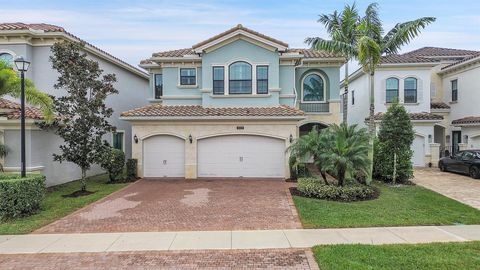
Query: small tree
x,y
392,160
83,112
113,162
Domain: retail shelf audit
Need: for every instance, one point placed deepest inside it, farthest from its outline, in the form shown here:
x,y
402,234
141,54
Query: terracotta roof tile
x,y
437,51
470,120
240,27
53,28
413,116
158,110
463,60
13,110
439,105
309,53
404,59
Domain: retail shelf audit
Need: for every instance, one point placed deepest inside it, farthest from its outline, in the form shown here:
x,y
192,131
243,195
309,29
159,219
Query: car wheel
x,y
442,167
474,172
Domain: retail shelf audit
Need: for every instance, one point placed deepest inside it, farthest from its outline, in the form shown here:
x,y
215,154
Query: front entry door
x,y
456,139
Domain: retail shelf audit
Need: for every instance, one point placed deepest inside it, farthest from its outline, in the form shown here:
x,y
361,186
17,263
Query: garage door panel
x,y
164,156
241,156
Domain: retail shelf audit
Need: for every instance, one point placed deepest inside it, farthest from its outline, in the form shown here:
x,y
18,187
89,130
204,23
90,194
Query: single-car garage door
x,y
418,148
163,156
241,156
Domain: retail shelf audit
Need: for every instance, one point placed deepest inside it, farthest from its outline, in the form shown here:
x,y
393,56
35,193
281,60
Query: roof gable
x,y
235,33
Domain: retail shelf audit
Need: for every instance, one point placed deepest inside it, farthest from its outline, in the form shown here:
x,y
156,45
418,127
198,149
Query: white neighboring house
x,y
34,41
423,81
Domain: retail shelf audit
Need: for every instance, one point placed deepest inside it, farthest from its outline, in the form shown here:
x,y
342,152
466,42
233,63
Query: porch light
x,y
291,138
190,138
135,138
429,138
465,138
22,64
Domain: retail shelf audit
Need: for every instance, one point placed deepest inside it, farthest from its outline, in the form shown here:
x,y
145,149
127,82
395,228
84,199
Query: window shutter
x,y
419,90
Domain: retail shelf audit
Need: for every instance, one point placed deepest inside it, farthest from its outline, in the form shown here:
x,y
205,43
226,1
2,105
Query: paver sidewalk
x,y
225,240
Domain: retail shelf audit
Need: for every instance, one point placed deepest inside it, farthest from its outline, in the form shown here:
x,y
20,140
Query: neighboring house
x,y
427,82
230,106
33,41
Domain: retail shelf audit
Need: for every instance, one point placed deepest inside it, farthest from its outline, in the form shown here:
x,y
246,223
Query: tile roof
x,y
239,27
439,105
470,120
174,53
413,116
158,110
309,53
477,55
426,55
13,110
49,28
405,59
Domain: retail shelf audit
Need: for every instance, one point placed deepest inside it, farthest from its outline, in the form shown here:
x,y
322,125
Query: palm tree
x,y
372,44
342,28
10,84
347,152
308,146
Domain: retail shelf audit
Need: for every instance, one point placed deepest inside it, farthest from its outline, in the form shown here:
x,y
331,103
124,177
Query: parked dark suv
x,y
466,162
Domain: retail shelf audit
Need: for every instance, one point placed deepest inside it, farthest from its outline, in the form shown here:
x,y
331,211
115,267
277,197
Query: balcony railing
x,y
315,107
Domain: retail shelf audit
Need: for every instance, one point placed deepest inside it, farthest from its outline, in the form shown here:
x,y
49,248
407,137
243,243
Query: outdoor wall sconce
x,y
135,138
465,138
291,138
429,138
190,138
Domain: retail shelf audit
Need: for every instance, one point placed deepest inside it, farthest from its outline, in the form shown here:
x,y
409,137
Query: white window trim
x,y
324,88
154,84
451,90
12,53
417,80
179,85
123,138
400,89
225,80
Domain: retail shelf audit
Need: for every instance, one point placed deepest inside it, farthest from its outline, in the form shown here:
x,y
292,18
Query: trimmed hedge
x,y
314,188
20,196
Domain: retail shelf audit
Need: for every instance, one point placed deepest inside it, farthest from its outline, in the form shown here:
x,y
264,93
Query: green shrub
x,y
113,162
313,187
131,169
297,169
20,196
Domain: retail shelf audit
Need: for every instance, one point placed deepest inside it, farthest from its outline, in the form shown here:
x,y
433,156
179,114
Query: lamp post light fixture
x,y
22,66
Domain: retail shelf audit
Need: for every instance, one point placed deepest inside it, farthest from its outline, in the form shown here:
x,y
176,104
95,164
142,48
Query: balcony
x,y
315,107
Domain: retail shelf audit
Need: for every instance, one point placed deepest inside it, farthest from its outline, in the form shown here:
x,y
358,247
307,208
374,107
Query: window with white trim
x,y
410,90
391,91
7,58
158,86
262,79
313,88
218,80
454,90
240,78
188,76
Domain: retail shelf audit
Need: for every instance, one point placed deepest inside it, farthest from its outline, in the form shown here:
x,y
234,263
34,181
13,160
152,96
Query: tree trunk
x,y
84,180
322,173
341,177
394,177
345,98
371,126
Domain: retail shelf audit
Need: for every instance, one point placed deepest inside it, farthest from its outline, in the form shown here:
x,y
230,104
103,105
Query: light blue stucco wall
x,y
287,84
171,83
331,75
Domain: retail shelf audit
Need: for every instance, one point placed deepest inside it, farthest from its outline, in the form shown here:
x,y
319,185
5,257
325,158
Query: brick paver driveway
x,y
186,205
456,186
235,259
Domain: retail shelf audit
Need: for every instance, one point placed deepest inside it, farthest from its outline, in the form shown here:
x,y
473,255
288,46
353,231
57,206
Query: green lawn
x,y
456,256
55,206
404,205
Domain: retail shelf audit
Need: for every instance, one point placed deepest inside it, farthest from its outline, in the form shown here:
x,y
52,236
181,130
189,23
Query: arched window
x,y
240,78
410,90
313,88
391,90
6,57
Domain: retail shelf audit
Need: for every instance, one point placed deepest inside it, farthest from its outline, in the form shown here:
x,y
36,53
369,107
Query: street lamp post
x,y
22,66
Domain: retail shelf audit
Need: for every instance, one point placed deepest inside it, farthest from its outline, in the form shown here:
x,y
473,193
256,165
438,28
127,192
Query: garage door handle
x,y
165,162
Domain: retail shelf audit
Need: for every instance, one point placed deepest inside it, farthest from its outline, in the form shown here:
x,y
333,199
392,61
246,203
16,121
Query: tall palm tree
x,y
342,28
10,84
347,151
373,44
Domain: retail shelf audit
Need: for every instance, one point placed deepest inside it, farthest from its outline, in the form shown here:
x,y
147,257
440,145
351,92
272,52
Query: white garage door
x,y
418,148
163,156
241,156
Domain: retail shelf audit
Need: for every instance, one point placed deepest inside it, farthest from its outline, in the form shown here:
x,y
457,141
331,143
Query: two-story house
x,y
231,105
34,41
423,81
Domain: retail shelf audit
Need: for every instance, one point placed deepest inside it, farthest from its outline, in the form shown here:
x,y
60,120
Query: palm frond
x,y
369,54
403,33
330,21
332,46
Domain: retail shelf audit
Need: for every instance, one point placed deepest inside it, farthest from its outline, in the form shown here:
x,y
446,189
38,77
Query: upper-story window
x,y
158,86
353,97
6,57
454,90
262,79
188,76
410,90
313,88
218,80
392,90
240,78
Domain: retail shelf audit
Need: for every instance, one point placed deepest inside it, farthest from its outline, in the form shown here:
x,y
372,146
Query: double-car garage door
x,y
221,156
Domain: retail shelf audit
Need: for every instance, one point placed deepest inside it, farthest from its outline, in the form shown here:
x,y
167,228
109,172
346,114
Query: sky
x,y
133,30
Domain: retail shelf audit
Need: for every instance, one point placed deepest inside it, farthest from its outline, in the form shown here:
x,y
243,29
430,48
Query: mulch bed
x,y
78,193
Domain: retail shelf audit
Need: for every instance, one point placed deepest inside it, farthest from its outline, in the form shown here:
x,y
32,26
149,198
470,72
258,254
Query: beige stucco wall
x,y
281,129
334,115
